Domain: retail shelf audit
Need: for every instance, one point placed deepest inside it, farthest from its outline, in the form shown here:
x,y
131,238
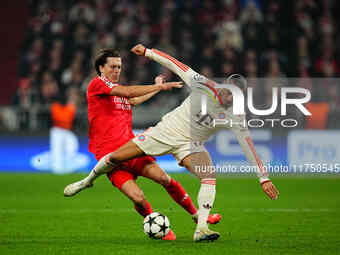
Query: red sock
x,y
177,192
145,209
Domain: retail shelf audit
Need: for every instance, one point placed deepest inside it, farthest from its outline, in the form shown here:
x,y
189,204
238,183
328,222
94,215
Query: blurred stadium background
x,y
54,42
48,58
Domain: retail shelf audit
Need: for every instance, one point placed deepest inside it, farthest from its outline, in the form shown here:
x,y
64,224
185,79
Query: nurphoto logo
x,y
295,96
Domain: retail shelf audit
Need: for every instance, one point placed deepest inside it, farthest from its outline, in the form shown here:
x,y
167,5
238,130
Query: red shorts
x,y
128,170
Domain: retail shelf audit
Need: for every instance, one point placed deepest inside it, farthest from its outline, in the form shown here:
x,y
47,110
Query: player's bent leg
x,y
142,206
201,165
104,165
176,191
174,188
136,195
153,172
127,151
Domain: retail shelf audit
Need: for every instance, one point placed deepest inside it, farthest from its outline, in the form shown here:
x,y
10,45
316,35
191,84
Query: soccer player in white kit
x,y
182,133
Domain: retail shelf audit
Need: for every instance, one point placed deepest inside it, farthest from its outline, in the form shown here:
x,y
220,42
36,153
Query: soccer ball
x,y
156,225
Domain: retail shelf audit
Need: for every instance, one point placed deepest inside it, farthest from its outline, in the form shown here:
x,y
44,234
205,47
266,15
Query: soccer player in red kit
x,y
110,126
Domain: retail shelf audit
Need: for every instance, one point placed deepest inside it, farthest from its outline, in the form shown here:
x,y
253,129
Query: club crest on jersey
x,y
198,77
141,138
221,115
110,84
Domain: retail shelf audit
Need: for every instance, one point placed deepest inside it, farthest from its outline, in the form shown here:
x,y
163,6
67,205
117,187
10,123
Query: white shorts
x,y
152,146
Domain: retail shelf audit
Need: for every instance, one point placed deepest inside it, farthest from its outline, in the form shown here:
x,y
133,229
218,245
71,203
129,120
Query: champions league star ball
x,y
156,225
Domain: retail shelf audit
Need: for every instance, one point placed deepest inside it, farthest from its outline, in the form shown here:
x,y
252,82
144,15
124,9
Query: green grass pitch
x,y
35,218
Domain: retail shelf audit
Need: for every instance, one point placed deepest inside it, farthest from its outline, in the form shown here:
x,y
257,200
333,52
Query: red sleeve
x,y
99,87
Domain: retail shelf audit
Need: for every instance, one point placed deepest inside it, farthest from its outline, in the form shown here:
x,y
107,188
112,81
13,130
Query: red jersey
x,y
110,117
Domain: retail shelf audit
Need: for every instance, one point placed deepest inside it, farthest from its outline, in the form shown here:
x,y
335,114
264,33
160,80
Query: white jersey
x,y
191,123
188,122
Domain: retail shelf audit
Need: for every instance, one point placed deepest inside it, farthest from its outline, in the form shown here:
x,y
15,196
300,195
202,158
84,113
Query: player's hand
x,y
160,79
139,49
170,85
269,188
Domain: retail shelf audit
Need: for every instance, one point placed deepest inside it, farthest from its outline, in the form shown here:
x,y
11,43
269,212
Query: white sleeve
x,y
182,70
247,145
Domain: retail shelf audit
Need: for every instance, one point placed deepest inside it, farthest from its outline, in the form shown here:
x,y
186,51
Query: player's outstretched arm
x,y
141,90
248,148
182,70
269,188
138,100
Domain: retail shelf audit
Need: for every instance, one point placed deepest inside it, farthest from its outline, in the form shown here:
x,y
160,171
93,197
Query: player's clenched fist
x,y
269,188
139,49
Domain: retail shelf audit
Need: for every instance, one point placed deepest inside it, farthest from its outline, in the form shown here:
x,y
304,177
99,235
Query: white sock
x,y
206,197
102,167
